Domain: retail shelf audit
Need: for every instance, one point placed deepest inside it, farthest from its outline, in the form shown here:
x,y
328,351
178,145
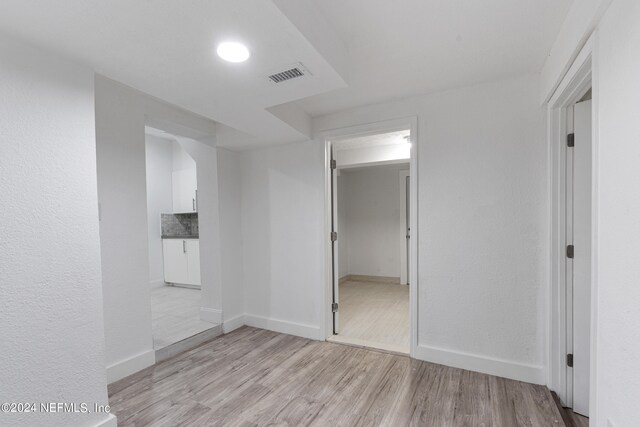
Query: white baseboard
x,y
129,366
232,324
211,315
284,327
486,365
153,284
110,421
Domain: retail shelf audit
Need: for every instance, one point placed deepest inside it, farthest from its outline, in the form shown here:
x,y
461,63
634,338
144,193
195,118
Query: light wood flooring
x,y
571,419
175,314
253,377
374,314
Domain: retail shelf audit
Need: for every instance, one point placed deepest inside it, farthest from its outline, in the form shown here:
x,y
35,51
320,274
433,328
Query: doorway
x,y
573,152
174,247
370,212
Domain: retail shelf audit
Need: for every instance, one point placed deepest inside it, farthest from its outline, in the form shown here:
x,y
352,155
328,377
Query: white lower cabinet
x,y
181,261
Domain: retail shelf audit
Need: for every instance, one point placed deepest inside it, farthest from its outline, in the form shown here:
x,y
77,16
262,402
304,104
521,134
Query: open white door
x,y
405,211
334,242
579,257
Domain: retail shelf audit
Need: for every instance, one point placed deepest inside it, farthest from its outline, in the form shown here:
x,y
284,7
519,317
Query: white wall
x,y
616,93
283,237
159,164
372,208
206,160
483,223
121,115
230,199
52,325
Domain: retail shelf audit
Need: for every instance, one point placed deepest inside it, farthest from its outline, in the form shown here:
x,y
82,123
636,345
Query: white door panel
x,y
581,262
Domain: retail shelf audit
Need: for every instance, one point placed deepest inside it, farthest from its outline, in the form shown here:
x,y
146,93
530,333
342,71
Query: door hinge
x,y
570,360
334,164
334,236
571,140
334,307
570,251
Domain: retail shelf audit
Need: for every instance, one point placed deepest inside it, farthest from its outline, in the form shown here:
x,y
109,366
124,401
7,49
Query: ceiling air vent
x,y
294,71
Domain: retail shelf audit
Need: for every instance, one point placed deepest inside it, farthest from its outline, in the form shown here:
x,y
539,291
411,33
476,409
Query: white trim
x,y
187,344
486,365
579,77
283,326
410,123
211,315
110,421
130,366
232,324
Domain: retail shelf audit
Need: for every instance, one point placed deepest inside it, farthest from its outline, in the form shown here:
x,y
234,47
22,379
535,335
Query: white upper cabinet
x,y
185,191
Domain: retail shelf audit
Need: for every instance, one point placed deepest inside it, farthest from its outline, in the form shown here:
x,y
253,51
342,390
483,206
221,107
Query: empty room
x,y
319,213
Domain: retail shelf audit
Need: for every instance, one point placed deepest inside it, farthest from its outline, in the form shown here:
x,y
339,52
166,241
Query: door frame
x,y
576,82
410,123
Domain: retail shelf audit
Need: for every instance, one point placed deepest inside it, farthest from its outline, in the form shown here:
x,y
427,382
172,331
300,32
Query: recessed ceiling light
x,y
233,52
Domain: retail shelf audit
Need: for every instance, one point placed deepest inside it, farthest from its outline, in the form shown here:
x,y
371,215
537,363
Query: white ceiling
x,y
408,47
389,138
381,49
166,48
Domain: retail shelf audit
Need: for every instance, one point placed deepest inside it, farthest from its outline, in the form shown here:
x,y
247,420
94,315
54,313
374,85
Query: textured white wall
x,y
230,199
120,142
121,115
372,208
283,237
52,326
159,163
617,90
483,222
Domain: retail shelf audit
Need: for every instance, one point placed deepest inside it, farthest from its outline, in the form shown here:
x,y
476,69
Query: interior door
x,y
404,227
408,225
579,266
334,242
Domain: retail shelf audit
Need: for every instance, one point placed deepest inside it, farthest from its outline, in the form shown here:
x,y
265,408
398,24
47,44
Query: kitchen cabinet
x,y
185,190
181,261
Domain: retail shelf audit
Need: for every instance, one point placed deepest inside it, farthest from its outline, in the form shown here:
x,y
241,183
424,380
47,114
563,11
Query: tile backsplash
x,y
179,225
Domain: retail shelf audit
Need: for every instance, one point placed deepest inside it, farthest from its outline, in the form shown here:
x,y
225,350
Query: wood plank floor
x,y
253,377
570,418
374,314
